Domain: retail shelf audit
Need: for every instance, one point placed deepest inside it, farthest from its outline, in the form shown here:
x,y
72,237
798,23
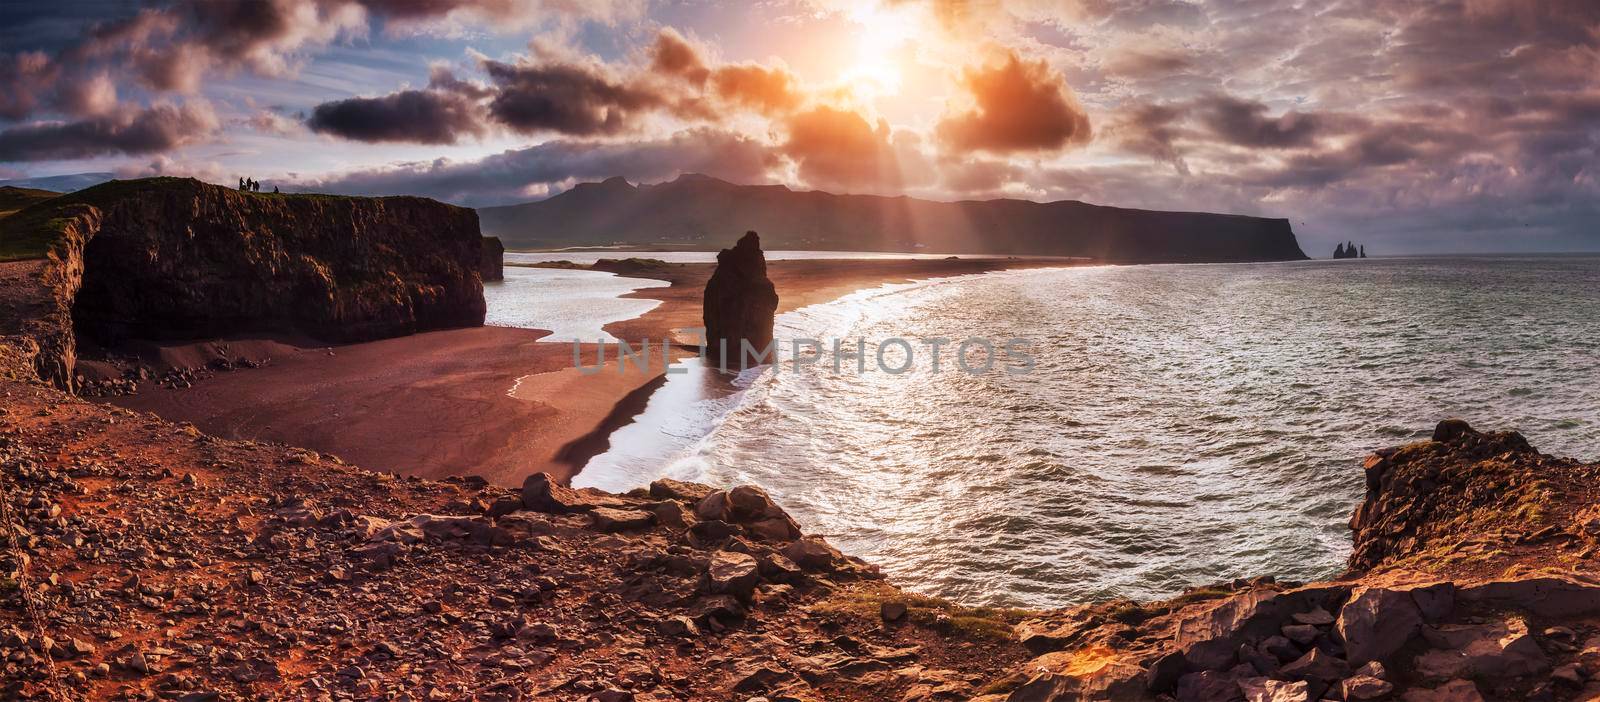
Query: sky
x,y
1409,126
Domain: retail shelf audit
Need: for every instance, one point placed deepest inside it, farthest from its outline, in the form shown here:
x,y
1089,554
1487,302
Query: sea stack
x,y
492,266
740,304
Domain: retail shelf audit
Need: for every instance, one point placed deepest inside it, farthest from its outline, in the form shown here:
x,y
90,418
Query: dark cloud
x,y
1019,106
415,116
25,79
128,131
526,174
566,98
1246,123
1150,130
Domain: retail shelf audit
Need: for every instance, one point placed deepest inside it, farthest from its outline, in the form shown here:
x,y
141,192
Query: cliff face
x,y
697,209
177,258
740,304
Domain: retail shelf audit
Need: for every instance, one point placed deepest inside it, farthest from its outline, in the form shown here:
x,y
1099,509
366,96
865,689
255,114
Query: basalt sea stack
x,y
740,304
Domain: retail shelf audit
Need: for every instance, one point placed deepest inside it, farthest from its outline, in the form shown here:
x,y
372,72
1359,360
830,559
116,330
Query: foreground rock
x,y
167,564
740,305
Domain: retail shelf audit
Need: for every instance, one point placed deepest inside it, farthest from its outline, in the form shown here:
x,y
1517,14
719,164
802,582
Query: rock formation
x,y
1349,250
493,263
740,305
177,258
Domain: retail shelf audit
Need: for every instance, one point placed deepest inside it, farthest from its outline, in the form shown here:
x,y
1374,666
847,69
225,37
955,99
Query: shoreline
x,y
438,404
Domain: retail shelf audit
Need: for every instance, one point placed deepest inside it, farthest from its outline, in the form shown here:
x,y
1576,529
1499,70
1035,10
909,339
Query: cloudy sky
x,y
1423,125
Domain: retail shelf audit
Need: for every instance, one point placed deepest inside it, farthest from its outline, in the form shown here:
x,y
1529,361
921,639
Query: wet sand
x,y
490,401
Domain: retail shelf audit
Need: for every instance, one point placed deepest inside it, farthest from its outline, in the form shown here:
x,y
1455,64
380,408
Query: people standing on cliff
x,y
241,184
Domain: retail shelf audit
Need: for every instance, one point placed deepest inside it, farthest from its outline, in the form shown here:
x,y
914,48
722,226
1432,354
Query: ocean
x,y
1182,424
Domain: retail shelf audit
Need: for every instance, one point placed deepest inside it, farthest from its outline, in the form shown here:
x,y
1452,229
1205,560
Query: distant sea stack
x,y
690,211
740,303
171,258
1350,250
494,259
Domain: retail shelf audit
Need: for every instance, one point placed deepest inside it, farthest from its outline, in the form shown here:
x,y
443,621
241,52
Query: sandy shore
x,y
488,401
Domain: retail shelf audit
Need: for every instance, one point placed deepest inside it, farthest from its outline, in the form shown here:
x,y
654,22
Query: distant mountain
x,y
61,183
699,212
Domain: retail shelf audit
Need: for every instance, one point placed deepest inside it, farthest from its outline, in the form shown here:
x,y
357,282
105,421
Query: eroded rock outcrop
x,y
1472,579
740,305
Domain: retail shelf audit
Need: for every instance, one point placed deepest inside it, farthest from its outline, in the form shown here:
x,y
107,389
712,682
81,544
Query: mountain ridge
x,y
699,211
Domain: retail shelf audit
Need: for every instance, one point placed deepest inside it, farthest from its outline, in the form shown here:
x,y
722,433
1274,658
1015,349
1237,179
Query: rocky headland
x,y
695,211
168,258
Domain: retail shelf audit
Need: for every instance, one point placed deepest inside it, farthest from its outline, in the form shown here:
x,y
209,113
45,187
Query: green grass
x,y
33,228
993,623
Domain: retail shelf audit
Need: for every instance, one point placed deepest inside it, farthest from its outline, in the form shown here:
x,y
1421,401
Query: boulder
x,y
1209,635
1360,688
1316,666
1553,597
540,493
733,573
1094,673
1495,650
612,519
813,554
669,489
1377,622
1269,690
1209,686
740,304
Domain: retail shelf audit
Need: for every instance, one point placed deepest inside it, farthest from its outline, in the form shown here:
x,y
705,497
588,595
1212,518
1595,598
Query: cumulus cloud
x,y
130,131
523,174
674,55
1018,106
767,89
839,149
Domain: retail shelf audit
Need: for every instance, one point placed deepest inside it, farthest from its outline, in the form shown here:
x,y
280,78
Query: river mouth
x,y
1185,425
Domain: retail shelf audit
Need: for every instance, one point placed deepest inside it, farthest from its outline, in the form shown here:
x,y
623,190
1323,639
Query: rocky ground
x,y
164,563
170,564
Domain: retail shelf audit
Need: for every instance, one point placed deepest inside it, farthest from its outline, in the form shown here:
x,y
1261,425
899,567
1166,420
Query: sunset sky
x,y
1448,125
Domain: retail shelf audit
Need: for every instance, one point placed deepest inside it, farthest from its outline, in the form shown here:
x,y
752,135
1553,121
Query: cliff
x,y
696,210
177,258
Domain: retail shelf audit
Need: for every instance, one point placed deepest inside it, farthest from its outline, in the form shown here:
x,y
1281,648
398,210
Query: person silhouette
x,y
274,190
241,184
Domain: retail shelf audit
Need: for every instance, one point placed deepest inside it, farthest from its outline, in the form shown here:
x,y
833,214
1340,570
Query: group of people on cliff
x,y
252,186
1350,250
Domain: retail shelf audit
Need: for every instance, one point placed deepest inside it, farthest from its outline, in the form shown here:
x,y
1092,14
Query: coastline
x,y
447,392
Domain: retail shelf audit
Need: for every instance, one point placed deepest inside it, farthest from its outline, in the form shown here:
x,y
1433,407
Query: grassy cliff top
x,y
35,222
14,198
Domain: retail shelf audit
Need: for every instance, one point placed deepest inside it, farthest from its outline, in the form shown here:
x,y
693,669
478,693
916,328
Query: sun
x,y
880,34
